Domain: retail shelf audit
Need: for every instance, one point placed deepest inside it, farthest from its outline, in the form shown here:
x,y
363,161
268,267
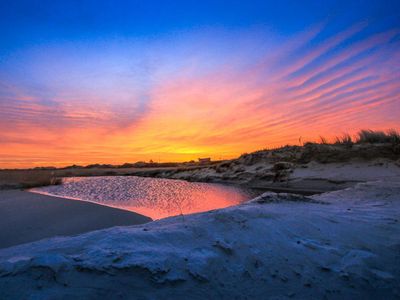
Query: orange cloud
x,y
220,112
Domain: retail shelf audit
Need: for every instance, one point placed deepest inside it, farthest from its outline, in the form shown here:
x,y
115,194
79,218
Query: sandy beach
x,y
26,217
308,170
337,245
154,150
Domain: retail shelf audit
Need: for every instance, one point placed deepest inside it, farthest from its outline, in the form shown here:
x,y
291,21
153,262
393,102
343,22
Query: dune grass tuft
x,y
377,136
345,139
365,136
323,140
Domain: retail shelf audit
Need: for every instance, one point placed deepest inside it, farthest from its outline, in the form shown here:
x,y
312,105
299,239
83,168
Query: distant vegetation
x,y
366,145
42,176
27,179
136,165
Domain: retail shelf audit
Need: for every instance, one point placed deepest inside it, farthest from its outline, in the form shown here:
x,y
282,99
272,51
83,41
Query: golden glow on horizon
x,y
220,114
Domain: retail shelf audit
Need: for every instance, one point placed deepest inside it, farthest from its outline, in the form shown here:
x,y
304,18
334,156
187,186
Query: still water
x,y
153,197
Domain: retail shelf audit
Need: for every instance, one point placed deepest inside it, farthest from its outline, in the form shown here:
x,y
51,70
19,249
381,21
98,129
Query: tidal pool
x,y
153,197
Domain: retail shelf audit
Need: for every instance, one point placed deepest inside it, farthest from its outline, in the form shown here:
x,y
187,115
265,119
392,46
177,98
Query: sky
x,y
85,82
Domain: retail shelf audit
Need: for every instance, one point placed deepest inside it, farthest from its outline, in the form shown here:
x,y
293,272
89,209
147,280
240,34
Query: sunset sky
x,y
121,81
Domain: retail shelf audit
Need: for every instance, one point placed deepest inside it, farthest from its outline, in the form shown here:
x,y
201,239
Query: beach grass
x,y
367,144
368,136
28,178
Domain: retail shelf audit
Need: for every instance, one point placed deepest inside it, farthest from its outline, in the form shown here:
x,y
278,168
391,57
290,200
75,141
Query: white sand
x,y
274,247
312,177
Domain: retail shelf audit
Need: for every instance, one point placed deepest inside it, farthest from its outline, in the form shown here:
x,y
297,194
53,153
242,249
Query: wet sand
x,y
26,217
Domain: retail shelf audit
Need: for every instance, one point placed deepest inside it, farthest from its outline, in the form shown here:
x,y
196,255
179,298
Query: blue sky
x,y
75,71
25,23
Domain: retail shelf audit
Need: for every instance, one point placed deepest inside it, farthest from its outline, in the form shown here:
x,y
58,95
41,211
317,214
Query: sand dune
x,y
309,169
338,245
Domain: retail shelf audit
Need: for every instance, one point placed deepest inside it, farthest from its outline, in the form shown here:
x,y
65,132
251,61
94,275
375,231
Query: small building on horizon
x,y
205,160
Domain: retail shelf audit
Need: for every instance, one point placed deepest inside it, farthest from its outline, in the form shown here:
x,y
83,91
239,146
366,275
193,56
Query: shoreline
x,y
35,191
306,187
27,217
310,179
278,245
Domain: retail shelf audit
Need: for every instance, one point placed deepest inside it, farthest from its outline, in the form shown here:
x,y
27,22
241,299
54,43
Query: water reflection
x,y
153,197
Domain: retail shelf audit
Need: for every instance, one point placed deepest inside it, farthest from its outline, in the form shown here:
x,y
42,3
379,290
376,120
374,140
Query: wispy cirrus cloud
x,y
175,108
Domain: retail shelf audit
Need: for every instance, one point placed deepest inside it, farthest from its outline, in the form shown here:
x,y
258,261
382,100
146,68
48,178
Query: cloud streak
x,y
314,84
